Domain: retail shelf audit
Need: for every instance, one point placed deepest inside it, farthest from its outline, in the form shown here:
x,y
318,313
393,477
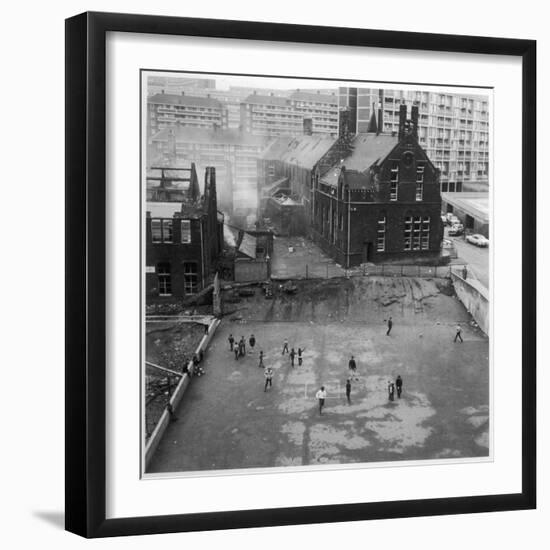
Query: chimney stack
x,y
373,127
402,121
308,126
182,92
414,120
343,122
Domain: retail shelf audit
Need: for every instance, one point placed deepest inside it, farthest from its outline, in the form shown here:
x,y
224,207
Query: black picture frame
x,y
86,282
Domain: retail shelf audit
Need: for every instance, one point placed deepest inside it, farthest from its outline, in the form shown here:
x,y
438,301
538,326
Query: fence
x,y
425,271
475,298
329,271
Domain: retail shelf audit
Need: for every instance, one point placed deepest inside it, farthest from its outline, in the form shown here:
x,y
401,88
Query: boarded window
x,y
167,231
185,231
156,231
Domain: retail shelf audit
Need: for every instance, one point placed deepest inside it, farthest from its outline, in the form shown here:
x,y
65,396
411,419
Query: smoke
x,y
229,237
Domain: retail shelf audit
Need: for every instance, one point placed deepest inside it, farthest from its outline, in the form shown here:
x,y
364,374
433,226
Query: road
x,y
477,258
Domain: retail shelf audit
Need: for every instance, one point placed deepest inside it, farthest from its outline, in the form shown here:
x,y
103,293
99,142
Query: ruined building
x,y
183,237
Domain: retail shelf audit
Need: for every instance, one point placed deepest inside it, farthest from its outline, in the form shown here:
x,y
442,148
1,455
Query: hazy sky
x,y
223,82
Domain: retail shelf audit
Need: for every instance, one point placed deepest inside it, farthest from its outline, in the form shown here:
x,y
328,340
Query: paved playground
x,y
227,421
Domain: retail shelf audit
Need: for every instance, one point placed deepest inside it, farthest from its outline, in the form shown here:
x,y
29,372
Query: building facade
x,y
170,110
452,128
272,115
382,202
183,241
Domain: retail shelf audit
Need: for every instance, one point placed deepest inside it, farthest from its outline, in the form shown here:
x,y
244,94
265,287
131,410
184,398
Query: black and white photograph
x,y
315,273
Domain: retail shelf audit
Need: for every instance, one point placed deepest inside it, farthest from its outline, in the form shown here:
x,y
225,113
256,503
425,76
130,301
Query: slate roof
x,y
179,99
368,149
304,151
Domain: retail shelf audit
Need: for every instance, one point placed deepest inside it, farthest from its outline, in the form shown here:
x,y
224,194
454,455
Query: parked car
x,y
478,240
451,218
456,229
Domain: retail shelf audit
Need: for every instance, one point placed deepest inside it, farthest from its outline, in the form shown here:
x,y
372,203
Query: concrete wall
x,y
475,298
251,270
175,400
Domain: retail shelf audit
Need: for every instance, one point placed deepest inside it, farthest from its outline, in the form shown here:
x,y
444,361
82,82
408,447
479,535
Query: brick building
x,y
286,170
183,241
381,202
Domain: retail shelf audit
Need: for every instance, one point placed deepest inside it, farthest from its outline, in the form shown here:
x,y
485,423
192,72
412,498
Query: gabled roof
x,y
304,151
187,134
301,95
180,99
369,149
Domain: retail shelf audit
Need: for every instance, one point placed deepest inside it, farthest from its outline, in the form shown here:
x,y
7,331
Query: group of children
x,y
239,348
293,353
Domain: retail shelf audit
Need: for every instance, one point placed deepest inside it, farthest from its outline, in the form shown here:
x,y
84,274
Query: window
x,y
271,170
419,182
417,221
185,231
167,231
425,233
394,181
407,234
190,278
416,235
156,231
165,279
381,234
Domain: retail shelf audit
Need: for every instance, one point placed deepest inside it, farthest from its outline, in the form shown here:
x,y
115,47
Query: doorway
x,y
367,252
